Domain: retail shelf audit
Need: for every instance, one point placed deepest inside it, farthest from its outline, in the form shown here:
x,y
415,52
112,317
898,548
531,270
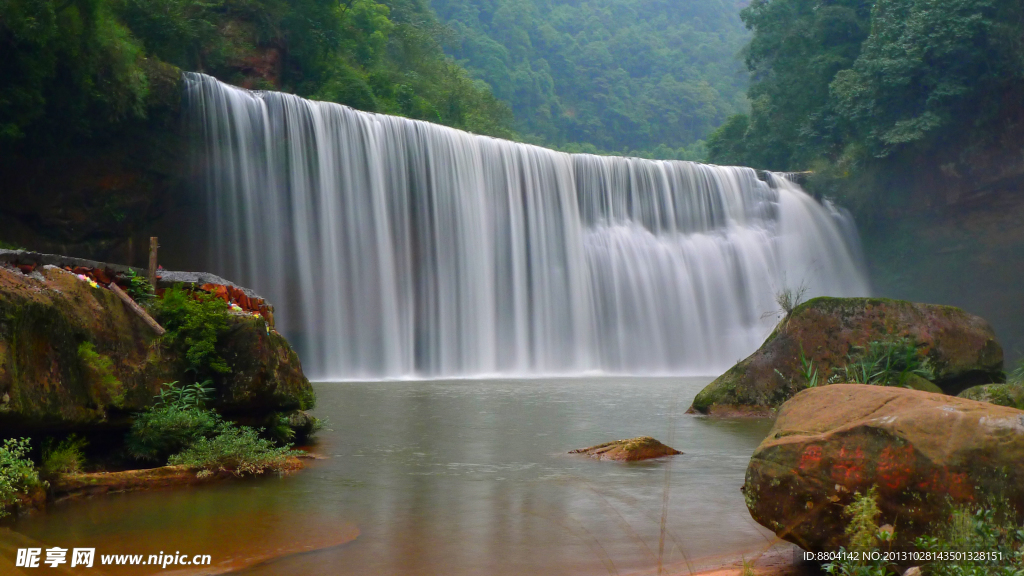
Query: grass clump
x,y
885,362
106,388
237,449
64,457
17,473
988,527
194,321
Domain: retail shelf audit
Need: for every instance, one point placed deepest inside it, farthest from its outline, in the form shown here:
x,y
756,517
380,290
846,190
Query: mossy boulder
x,y
266,374
920,451
629,450
960,348
75,358
1009,394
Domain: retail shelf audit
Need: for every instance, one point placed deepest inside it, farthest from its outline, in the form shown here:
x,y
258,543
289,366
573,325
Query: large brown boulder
x,y
960,348
76,358
921,451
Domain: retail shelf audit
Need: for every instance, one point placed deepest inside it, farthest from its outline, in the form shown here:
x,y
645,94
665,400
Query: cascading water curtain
x,y
395,248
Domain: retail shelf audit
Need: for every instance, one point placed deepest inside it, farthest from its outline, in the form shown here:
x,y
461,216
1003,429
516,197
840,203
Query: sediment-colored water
x,y
454,478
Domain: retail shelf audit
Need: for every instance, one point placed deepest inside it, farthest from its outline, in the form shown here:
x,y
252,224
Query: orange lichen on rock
x,y
920,451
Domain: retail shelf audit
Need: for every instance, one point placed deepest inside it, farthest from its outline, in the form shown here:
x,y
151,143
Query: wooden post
x,y
152,260
137,309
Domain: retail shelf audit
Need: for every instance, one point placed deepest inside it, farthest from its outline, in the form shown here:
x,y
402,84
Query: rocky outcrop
x,y
921,451
960,348
73,357
631,450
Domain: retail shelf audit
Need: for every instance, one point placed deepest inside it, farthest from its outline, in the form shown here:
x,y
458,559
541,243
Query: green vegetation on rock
x,y
868,340
236,449
180,430
64,457
989,525
177,419
194,321
887,362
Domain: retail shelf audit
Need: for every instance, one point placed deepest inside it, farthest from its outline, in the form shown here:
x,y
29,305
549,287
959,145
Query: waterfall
x,y
399,248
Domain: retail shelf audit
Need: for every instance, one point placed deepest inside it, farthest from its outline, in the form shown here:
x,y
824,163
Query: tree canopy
x,y
644,76
837,85
76,69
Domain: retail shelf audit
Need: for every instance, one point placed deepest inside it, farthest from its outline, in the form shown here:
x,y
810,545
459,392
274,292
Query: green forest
x,y
856,90
641,77
76,70
843,88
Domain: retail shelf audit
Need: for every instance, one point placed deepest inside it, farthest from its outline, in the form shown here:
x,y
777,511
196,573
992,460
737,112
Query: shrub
x,y
139,287
239,450
988,527
194,395
17,474
864,534
167,429
64,457
194,322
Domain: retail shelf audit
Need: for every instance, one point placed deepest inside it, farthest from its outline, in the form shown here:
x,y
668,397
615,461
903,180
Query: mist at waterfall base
x,y
395,248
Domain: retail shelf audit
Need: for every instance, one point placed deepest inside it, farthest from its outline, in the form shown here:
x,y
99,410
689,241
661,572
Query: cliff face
x,y
958,239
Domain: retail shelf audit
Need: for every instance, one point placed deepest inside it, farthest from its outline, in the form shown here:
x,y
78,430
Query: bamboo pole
x,y
152,260
137,309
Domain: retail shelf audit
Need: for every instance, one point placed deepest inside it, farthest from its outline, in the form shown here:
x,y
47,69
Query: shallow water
x,y
456,478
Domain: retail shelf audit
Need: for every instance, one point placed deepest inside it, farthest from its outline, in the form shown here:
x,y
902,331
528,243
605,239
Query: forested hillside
x,y
75,70
647,76
862,91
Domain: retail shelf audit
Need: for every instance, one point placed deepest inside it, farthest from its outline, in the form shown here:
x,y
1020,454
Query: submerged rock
x,y
960,348
921,451
73,357
631,450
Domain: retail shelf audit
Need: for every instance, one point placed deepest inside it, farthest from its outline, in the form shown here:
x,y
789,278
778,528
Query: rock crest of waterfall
x,y
399,248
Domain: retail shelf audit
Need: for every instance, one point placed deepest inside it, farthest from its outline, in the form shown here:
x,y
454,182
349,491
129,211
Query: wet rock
x,y
266,374
921,451
961,349
76,358
631,450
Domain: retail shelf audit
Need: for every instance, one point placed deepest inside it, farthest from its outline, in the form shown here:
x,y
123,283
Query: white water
x,y
397,248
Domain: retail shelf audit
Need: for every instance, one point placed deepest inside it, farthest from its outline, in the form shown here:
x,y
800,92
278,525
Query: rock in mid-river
x,y
921,451
631,450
